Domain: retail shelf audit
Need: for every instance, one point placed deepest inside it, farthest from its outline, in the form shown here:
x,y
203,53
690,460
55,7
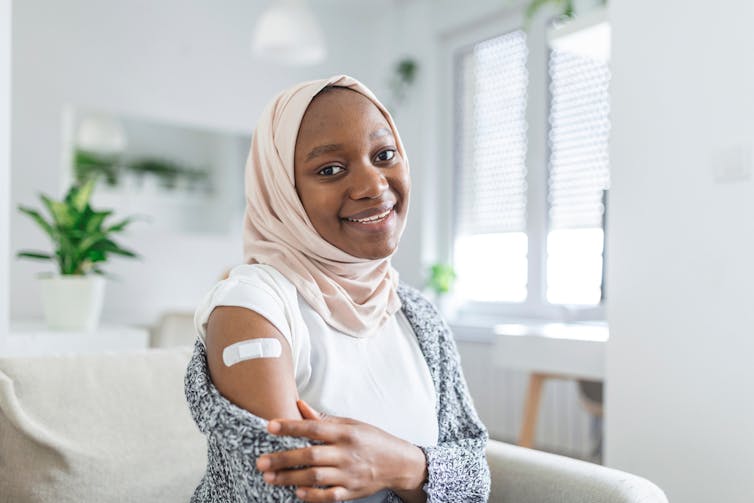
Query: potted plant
x,y
566,9
440,283
82,242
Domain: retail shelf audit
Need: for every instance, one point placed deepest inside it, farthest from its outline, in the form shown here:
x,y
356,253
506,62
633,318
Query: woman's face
x,y
349,175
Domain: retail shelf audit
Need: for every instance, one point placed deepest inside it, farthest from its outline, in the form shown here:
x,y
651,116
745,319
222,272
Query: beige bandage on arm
x,y
253,348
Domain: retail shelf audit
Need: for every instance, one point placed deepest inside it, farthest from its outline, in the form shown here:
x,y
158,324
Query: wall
x,y
679,368
5,179
178,62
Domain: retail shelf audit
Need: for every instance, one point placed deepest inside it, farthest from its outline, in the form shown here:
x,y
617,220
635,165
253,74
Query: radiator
x,y
564,425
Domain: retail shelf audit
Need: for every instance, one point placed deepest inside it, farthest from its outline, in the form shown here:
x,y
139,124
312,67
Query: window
x,y
491,212
529,229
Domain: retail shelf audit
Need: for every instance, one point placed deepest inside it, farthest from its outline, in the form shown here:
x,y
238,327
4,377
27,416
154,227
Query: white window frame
x,y
537,159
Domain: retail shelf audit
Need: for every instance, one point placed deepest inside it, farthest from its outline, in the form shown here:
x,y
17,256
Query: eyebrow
x,y
322,150
333,147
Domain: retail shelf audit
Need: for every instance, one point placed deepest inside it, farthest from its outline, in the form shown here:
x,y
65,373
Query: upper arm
x,y
264,386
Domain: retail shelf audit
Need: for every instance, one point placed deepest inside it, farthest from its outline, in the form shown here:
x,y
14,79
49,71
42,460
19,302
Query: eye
x,y
386,155
330,170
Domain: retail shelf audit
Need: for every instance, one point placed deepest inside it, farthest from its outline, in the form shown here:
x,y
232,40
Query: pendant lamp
x,y
288,33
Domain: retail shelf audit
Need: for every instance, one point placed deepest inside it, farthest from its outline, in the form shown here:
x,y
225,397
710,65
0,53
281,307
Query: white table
x,y
545,351
33,338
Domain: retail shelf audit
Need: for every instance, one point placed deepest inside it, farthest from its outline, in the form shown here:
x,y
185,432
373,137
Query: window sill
x,y
567,349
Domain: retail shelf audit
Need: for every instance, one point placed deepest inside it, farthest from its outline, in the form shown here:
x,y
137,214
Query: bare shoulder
x,y
265,387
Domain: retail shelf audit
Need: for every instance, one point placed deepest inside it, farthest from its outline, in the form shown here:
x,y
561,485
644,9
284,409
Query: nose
x,y
367,182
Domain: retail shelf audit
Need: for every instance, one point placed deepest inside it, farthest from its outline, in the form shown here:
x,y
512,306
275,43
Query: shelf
x,y
207,204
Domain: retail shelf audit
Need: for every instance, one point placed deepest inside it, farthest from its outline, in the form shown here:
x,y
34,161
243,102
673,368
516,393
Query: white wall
x,y
5,120
680,397
181,62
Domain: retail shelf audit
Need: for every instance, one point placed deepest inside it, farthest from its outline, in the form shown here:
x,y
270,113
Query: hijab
x,y
353,295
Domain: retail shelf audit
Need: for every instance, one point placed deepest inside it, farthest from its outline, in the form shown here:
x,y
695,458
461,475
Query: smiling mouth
x,y
371,220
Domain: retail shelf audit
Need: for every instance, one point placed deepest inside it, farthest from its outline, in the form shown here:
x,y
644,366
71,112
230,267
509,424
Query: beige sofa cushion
x,y
99,428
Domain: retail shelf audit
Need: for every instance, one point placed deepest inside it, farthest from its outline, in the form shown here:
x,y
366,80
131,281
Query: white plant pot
x,y
72,302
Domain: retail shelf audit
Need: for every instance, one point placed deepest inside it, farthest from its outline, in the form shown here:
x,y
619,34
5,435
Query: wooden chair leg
x,y
531,410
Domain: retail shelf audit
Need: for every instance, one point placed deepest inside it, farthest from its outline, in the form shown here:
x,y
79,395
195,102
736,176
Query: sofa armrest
x,y
522,475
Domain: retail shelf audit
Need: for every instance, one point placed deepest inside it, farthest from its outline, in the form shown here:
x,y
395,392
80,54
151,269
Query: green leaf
x,y
109,246
69,259
80,195
117,250
62,215
35,255
89,242
125,253
39,219
78,232
442,277
120,225
96,255
96,220
568,9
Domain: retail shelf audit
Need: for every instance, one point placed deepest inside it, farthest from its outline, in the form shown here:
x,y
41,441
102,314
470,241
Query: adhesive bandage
x,y
249,350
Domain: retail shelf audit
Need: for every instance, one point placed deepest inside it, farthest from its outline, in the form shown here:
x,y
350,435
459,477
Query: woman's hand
x,y
356,460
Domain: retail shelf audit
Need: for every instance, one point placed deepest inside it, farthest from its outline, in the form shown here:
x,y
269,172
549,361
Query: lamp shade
x,y
288,33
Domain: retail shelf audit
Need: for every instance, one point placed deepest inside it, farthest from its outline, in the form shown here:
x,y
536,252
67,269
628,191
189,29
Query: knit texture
x,y
457,466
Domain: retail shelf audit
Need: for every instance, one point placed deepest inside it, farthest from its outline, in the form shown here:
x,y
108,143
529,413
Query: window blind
x,y
579,128
491,154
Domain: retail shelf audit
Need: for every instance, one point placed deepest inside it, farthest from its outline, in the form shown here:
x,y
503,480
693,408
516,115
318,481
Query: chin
x,y
373,254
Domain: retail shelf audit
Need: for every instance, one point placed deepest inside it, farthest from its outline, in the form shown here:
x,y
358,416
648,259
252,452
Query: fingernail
x,y
300,493
273,427
268,476
263,463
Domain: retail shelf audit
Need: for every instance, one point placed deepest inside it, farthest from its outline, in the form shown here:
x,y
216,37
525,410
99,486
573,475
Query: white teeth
x,y
371,219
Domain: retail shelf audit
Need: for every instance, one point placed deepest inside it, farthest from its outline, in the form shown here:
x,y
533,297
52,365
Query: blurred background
x,y
582,207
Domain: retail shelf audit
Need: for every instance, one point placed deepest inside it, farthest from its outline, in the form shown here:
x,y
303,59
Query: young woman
x,y
366,400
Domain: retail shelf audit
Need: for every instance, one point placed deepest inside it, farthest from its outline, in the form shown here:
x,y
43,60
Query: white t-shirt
x,y
382,380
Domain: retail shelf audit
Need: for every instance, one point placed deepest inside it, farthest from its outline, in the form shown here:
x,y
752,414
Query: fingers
x,y
307,411
317,455
312,476
310,412
330,431
329,494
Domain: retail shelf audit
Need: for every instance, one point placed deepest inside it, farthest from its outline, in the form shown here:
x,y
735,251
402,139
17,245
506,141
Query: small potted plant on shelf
x,y
82,241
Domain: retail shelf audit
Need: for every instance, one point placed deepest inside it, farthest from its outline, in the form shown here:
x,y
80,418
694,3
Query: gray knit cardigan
x,y
457,466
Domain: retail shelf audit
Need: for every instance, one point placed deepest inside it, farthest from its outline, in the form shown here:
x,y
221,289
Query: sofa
x,y
114,427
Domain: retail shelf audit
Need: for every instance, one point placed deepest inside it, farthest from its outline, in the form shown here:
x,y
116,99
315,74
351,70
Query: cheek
x,y
321,206
404,185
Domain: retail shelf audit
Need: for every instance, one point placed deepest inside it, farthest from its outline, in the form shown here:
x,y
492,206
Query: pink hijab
x,y
353,295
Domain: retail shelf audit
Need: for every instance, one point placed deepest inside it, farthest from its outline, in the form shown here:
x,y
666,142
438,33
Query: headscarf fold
x,y
353,295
